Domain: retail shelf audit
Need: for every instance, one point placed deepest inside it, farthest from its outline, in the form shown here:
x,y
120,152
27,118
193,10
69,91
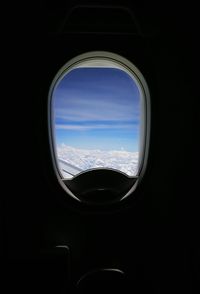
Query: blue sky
x,y
97,108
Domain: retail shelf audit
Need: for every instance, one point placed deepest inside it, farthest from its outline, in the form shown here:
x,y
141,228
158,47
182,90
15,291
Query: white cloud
x,y
79,106
84,159
75,127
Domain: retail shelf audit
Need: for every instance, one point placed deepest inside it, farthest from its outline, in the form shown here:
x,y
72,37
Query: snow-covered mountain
x,y
83,159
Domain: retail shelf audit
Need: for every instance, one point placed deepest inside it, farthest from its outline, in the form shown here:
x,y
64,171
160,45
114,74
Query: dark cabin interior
x,y
52,243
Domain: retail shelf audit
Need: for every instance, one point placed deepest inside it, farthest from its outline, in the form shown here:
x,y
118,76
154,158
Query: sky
x,y
97,108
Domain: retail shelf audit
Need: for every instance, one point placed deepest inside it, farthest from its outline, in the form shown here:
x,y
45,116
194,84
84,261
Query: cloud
x,y
79,105
89,114
74,127
86,159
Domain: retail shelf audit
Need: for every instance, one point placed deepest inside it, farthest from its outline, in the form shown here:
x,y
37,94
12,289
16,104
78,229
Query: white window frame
x,y
103,59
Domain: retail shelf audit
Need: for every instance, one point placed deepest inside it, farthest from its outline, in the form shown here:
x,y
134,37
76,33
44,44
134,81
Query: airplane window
x,y
98,117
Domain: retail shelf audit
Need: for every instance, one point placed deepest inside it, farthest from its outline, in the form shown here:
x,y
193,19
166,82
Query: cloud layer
x,y
84,159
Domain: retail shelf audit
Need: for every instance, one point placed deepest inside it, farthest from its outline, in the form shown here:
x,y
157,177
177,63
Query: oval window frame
x,y
128,67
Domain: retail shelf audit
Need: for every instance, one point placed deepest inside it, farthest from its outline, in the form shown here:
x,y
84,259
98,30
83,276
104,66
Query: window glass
x,y
96,121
